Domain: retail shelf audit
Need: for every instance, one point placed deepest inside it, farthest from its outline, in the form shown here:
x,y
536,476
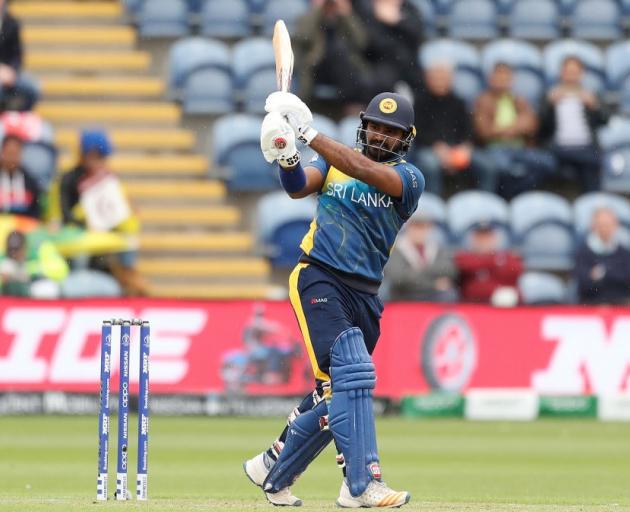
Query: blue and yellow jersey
x,y
356,225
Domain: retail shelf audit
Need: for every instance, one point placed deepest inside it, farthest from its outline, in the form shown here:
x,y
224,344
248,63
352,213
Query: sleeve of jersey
x,y
319,163
413,186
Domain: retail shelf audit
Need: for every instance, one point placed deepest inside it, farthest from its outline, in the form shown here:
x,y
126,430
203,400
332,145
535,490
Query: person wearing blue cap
x,y
78,189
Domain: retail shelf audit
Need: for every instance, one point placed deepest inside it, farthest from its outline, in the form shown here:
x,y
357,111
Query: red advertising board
x,y
255,347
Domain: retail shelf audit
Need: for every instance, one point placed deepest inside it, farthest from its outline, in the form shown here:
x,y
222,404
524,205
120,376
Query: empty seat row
x,y
216,18
537,20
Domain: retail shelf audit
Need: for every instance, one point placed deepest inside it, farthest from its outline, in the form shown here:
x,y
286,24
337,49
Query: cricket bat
x,y
283,54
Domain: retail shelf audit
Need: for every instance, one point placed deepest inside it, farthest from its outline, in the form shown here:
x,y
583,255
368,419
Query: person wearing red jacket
x,y
487,273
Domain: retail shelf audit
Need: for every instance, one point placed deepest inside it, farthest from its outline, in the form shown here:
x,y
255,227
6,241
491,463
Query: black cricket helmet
x,y
390,109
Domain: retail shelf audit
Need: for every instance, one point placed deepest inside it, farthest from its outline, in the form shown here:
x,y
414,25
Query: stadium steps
x,y
225,268
78,35
182,216
51,10
109,112
92,73
248,290
148,165
199,243
175,139
108,87
169,191
91,60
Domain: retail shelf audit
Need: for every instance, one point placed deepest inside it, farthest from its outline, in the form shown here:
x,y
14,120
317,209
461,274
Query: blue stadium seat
x,y
625,7
257,6
616,170
427,13
443,7
249,56
132,6
157,18
194,6
466,209
536,20
225,19
473,19
615,134
596,20
40,160
624,101
323,124
618,64
281,223
526,61
287,10
591,56
538,288
236,143
504,7
84,283
566,7
467,82
586,204
347,130
542,226
199,98
261,84
434,207
196,53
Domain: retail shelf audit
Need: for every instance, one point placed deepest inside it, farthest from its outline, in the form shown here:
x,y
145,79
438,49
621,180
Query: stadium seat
x,y
323,124
526,61
473,19
281,223
260,85
542,288
624,101
586,204
427,13
40,160
566,7
615,134
618,64
157,18
625,7
195,53
616,170
443,7
466,209
199,98
236,142
225,19
347,130
596,20
132,6
434,207
257,6
542,226
536,20
254,70
249,56
89,283
591,56
287,10
467,82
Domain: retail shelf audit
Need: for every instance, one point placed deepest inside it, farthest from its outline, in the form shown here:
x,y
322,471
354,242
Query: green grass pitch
x,y
49,464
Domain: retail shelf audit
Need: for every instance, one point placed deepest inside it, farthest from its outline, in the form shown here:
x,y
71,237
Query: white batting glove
x,y
277,141
296,113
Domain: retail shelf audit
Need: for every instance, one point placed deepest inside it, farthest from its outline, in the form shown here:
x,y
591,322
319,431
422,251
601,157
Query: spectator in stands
x,y
420,268
19,192
91,183
445,133
506,125
329,43
602,263
487,273
394,29
16,281
569,118
11,97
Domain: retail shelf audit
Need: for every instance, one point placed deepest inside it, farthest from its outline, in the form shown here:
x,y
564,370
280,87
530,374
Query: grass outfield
x,y
49,463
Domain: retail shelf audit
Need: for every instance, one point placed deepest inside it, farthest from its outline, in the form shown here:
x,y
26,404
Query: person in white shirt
x,y
569,118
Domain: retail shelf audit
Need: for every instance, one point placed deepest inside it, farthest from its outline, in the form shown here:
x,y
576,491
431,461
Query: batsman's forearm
x,y
357,166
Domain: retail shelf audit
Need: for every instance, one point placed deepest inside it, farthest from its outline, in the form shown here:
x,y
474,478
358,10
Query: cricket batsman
x,y
365,195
